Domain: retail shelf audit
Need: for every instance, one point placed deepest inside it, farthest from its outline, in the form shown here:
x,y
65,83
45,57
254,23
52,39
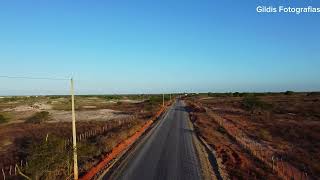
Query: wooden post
x,y
74,134
163,100
272,158
4,175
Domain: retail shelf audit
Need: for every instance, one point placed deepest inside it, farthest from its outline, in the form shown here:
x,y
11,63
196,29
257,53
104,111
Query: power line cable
x,y
28,77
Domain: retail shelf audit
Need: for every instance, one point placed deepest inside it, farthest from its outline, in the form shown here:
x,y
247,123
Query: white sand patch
x,y
88,115
20,109
36,107
89,107
131,101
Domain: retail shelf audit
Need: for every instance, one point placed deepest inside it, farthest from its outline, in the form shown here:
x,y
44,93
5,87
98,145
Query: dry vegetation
x,y
288,124
30,131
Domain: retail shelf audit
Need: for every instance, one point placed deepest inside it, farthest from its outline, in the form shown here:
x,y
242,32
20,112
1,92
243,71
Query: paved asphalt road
x,y
167,153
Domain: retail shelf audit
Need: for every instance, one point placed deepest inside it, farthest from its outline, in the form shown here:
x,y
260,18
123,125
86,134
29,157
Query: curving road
x,y
167,152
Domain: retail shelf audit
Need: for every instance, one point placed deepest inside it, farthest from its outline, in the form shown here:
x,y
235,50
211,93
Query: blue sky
x,y
146,46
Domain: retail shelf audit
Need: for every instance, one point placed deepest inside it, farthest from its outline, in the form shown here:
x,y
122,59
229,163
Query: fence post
x,y
306,175
4,175
272,158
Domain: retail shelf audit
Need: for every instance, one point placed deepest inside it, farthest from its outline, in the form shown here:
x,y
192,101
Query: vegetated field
x,y
37,130
280,128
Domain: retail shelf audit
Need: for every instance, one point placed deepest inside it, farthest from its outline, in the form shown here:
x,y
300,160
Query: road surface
x,y
166,153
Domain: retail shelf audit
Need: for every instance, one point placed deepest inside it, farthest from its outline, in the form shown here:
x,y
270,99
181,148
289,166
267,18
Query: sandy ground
x,y
22,112
87,115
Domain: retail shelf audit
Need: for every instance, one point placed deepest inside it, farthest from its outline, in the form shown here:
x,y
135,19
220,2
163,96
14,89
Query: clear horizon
x,y
144,47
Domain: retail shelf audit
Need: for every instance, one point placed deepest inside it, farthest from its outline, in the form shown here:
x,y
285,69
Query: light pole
x,y
74,134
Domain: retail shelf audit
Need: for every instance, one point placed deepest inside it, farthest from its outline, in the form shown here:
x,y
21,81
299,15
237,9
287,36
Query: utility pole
x,y
74,135
163,99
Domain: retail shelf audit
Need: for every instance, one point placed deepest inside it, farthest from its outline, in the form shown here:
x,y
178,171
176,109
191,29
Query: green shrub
x,y
112,97
264,134
3,119
39,117
49,159
221,130
156,99
252,103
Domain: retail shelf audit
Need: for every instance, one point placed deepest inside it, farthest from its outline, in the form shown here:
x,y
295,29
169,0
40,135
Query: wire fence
x,y
9,171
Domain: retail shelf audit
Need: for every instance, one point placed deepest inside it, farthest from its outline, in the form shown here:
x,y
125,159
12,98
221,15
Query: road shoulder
x,y
203,157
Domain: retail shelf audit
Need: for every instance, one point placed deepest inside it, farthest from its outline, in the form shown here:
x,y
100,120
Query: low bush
x,y
264,134
210,94
313,94
119,103
112,97
156,99
49,159
253,103
3,119
39,117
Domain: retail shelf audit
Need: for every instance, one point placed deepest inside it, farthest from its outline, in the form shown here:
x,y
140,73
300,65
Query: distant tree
x,y
289,93
236,94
